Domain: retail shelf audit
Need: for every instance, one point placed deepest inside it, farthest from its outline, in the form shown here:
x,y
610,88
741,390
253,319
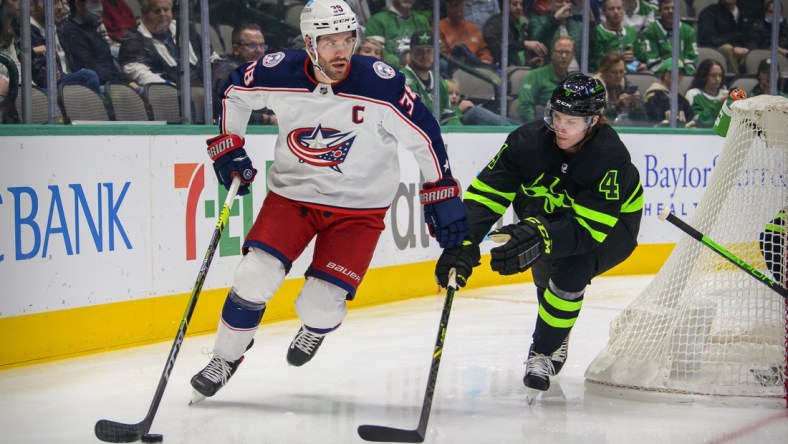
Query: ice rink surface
x,y
373,370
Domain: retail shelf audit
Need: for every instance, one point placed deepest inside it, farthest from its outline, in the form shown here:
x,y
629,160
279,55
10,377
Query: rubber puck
x,y
152,437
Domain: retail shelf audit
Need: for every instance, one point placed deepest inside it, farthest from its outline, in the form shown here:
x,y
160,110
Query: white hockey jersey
x,y
338,143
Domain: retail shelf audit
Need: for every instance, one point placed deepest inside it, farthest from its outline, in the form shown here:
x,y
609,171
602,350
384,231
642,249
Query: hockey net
x,y
703,326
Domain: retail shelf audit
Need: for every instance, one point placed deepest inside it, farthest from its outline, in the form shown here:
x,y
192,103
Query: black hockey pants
x,y
560,283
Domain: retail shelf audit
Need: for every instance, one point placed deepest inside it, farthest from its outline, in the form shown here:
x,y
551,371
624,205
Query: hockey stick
x,y
752,271
391,434
111,431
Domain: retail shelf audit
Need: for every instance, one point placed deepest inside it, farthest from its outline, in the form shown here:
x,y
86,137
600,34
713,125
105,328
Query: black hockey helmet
x,y
579,95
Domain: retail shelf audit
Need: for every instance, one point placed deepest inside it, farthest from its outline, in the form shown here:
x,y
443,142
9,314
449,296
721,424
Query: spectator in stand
x,y
639,14
462,39
657,98
614,35
248,46
268,15
538,7
4,87
84,76
707,92
418,76
761,34
560,22
361,8
394,27
539,85
521,51
479,12
623,100
9,88
764,74
9,14
657,41
470,113
594,8
455,97
150,53
118,18
371,47
724,27
84,46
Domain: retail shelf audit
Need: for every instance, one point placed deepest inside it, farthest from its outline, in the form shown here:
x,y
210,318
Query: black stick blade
x,y
388,434
111,431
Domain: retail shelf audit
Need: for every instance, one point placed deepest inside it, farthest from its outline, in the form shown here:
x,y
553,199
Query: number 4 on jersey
x,y
609,185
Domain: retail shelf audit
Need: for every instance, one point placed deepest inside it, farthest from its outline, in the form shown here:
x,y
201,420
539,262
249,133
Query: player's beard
x,y
330,71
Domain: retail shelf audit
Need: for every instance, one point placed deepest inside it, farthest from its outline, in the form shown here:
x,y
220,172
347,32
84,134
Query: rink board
x,y
103,254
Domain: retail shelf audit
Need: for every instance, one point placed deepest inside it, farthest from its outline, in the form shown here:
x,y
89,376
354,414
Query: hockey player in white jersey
x,y
342,119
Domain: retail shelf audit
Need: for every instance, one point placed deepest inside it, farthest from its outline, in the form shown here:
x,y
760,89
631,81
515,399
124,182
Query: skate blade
x,y
531,394
196,397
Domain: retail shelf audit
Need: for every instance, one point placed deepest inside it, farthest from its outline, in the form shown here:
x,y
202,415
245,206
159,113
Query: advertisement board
x,y
88,220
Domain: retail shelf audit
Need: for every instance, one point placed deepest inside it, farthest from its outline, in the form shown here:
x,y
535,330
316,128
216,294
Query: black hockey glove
x,y
230,160
524,244
444,212
462,259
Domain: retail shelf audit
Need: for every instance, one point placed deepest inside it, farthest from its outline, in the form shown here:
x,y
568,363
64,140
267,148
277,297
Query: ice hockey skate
x,y
538,369
559,356
303,347
214,376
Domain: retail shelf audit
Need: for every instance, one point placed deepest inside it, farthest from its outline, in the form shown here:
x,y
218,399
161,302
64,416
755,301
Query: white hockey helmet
x,y
323,17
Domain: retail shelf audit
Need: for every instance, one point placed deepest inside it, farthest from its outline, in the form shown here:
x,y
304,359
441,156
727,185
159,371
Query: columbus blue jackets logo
x,y
383,70
273,59
323,147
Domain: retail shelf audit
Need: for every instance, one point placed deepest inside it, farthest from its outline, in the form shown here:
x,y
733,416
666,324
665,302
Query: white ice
x,y
373,370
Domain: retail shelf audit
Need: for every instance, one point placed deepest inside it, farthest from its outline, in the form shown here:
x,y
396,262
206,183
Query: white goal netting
x,y
703,326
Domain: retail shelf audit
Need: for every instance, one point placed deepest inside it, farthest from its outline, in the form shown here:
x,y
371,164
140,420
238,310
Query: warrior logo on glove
x,y
230,160
444,212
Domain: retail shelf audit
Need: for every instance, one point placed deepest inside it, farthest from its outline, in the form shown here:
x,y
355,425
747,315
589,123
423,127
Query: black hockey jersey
x,y
579,198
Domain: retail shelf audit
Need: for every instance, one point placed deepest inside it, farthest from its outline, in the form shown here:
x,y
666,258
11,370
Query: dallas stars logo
x,y
324,147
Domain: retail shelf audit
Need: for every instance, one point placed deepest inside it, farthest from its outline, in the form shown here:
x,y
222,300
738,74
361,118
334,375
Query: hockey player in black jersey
x,y
579,200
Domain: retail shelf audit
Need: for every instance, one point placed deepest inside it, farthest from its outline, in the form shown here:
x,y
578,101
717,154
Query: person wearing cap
x,y
578,198
343,118
657,97
764,75
419,76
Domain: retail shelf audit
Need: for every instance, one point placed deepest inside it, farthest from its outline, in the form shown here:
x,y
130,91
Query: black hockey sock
x,y
556,318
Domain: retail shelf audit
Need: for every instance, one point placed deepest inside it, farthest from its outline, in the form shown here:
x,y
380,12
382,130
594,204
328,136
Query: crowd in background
x,y
136,42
